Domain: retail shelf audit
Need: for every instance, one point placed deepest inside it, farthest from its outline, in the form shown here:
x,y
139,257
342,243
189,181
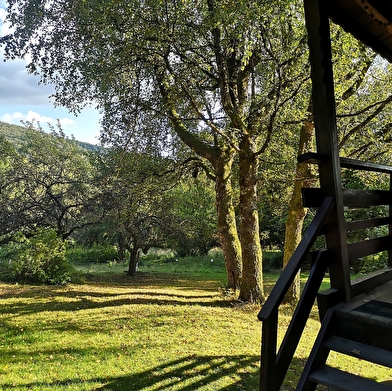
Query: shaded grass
x,y
171,327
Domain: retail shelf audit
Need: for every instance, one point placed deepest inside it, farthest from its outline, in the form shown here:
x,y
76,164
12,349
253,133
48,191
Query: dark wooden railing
x,y
274,365
275,362
355,198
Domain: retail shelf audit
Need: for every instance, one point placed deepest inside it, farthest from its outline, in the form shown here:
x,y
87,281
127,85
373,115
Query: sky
x,y
22,98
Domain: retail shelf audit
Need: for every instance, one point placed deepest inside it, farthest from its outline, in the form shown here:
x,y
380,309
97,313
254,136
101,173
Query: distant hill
x,y
16,134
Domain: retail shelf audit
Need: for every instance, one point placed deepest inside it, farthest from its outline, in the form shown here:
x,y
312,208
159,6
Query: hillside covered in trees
x,y
16,134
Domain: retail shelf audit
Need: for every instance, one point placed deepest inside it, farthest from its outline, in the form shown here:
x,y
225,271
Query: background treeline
x,y
61,199
58,194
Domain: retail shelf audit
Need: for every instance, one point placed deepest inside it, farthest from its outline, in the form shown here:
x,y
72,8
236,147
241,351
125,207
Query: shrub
x,y
272,260
95,253
39,258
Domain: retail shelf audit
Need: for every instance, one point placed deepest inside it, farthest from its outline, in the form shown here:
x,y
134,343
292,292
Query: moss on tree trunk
x,y
227,226
252,278
297,213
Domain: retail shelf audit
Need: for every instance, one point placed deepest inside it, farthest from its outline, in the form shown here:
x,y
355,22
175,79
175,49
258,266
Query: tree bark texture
x,y
227,226
297,212
133,260
252,279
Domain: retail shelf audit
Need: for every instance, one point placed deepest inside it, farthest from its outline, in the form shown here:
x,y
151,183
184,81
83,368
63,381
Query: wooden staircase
x,y
361,329
356,315
357,318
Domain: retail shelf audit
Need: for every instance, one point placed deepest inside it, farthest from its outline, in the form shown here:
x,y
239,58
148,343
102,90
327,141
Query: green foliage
x,y
371,263
193,207
18,135
272,260
97,253
47,180
157,254
39,258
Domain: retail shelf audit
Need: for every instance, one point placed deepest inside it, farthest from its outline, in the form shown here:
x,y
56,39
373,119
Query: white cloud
x,y
17,117
17,87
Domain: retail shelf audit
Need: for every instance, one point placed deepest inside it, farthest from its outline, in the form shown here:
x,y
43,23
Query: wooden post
x,y
268,354
317,23
390,215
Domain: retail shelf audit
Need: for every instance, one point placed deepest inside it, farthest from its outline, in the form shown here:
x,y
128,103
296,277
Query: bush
x,y
272,260
37,259
97,254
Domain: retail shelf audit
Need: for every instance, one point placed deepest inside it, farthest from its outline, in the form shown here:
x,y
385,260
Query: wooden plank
x,y
327,299
344,381
364,166
349,20
368,247
312,158
390,225
312,197
354,164
324,111
364,198
371,281
301,314
268,380
319,352
368,223
358,325
360,350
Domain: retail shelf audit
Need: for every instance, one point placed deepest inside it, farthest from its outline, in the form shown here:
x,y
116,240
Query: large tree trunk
x,y
227,226
121,247
221,159
133,259
297,213
252,278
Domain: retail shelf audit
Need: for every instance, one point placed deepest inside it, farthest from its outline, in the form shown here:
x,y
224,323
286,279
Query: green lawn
x,y
171,327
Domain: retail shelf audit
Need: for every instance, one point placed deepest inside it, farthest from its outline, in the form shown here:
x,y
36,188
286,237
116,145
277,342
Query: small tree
x,y
194,216
133,187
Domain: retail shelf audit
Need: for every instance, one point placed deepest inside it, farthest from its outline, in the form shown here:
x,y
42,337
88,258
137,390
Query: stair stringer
x,y
319,353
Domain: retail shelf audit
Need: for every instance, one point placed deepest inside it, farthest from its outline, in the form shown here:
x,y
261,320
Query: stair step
x,y
370,330
343,381
360,350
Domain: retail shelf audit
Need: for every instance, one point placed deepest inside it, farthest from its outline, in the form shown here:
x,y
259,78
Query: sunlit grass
x,y
170,327
126,337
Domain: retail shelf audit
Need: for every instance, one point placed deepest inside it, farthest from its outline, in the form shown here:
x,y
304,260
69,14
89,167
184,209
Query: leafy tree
x,y
193,210
133,193
47,183
363,112
218,72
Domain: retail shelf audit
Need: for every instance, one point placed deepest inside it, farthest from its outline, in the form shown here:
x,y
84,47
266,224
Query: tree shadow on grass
x,y
193,373
69,299
223,373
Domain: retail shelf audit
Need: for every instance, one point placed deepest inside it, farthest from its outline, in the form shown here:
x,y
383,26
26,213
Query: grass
x,y
171,327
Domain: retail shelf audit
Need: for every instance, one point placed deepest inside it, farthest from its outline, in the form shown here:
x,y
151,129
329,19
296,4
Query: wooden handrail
x,y
273,366
354,164
289,272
